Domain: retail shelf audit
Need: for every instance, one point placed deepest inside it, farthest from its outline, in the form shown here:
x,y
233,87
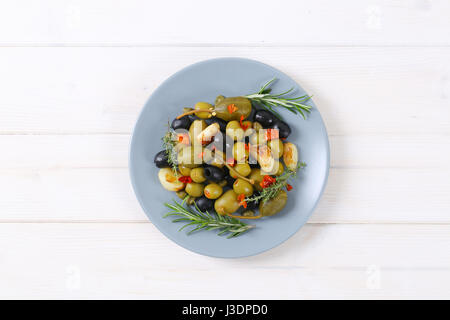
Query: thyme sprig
x,y
274,189
269,101
206,221
169,144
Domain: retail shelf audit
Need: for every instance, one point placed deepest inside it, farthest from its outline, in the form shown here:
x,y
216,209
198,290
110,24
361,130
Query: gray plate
x,y
203,82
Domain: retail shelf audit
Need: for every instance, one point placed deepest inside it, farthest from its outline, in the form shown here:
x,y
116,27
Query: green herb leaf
x,y
269,101
273,190
206,221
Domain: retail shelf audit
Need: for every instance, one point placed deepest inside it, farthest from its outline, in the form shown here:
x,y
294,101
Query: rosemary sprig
x,y
280,183
270,101
169,144
206,221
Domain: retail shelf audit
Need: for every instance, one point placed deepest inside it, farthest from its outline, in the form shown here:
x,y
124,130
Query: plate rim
x,y
133,182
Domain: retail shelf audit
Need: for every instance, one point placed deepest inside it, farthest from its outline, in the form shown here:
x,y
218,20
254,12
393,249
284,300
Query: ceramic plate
x,y
203,81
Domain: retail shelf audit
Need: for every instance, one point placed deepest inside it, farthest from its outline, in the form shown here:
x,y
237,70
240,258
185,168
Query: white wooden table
x,y
75,74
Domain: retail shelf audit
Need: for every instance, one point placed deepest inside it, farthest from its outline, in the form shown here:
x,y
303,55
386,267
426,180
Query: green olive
x,y
194,189
274,205
198,175
276,147
185,171
213,191
257,138
243,105
213,158
257,126
243,169
197,126
240,186
203,106
240,152
181,194
257,176
234,130
227,203
187,158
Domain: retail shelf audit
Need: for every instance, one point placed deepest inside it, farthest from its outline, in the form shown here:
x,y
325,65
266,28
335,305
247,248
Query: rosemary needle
x,y
269,101
205,221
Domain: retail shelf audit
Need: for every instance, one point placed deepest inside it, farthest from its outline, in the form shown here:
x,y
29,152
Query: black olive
x,y
204,204
265,118
251,205
222,123
230,181
283,128
253,163
214,174
182,123
161,159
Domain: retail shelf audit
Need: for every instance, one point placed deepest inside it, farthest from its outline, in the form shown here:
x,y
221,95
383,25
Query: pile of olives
x,y
223,153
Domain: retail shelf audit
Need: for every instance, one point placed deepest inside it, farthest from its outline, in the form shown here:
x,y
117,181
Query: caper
x,y
203,106
248,213
190,200
257,176
240,186
185,171
276,147
239,106
213,191
194,189
181,194
234,130
274,205
198,175
223,183
227,203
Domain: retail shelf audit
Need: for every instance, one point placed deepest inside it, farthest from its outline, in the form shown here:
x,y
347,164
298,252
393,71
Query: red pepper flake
x,y
243,126
288,187
201,155
185,179
231,162
183,138
232,108
267,181
213,148
283,139
272,134
241,199
247,147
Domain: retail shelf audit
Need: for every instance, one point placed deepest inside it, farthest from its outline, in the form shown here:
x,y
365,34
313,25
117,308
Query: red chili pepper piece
x,y
241,199
232,108
267,181
272,134
185,179
288,187
243,126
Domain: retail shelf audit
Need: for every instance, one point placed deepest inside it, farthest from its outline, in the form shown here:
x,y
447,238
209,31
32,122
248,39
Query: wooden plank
x,y
101,90
140,22
364,195
136,261
426,151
